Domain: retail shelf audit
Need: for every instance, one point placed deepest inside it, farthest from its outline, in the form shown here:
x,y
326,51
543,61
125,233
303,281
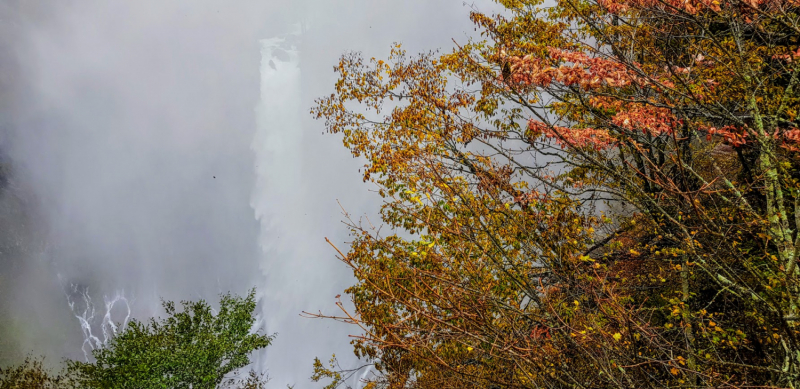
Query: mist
x,y
153,151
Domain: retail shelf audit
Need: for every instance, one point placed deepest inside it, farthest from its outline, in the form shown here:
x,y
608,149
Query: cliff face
x,y
33,313
25,318
13,242
14,236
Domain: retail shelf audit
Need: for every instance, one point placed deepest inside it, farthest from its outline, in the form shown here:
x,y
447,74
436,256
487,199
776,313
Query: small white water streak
x,y
83,308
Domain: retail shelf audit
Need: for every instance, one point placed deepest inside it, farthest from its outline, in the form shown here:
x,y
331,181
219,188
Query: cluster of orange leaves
x,y
590,73
690,6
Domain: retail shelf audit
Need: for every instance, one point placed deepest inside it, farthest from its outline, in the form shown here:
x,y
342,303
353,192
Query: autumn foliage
x,y
596,194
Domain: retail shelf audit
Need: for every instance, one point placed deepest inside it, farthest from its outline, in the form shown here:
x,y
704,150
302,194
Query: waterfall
x,y
298,268
276,143
278,134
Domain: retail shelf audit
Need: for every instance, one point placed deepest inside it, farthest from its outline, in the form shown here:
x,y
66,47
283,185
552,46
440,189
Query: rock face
x,y
16,237
33,316
32,313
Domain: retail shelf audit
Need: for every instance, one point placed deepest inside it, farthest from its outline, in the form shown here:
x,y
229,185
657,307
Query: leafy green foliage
x,y
194,348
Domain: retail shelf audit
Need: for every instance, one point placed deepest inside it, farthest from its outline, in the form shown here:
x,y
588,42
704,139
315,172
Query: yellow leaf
x,y
617,336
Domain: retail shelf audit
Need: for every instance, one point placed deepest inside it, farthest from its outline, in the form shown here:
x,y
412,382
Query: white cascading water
x,y
277,132
277,138
82,306
278,146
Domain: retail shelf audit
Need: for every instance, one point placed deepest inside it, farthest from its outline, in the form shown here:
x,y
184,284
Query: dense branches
x,y
600,194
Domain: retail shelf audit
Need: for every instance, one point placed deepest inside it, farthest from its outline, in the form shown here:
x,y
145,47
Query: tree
x,y
600,194
193,348
31,374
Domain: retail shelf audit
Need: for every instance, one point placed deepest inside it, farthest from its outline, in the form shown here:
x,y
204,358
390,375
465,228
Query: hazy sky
x,y
137,133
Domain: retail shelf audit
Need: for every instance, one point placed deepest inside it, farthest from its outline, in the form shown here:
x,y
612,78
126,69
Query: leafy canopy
x,y
597,193
195,347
